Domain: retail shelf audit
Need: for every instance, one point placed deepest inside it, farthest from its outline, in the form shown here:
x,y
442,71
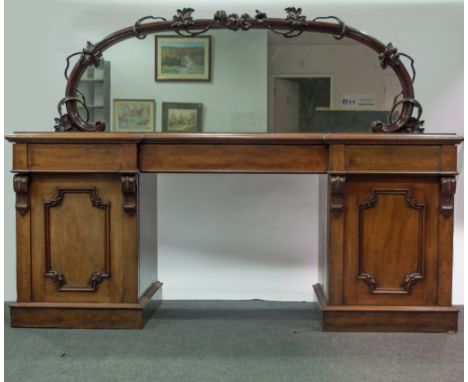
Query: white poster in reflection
x,y
358,102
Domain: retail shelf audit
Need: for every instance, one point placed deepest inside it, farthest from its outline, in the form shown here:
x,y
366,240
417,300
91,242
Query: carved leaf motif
x,y
388,55
57,278
245,21
233,21
369,280
294,16
414,125
96,200
63,123
91,55
56,200
220,17
410,279
411,201
183,18
260,16
96,279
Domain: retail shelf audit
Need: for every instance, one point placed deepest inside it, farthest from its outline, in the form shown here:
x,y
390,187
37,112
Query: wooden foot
x,y
368,318
86,315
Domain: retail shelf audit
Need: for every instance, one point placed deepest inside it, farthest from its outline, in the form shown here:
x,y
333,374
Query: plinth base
x,y
369,318
86,315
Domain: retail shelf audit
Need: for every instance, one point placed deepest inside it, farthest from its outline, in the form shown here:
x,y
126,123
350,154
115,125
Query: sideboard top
x,y
238,138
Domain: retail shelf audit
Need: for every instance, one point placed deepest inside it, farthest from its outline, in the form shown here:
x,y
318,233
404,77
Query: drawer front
x,y
75,157
233,158
393,158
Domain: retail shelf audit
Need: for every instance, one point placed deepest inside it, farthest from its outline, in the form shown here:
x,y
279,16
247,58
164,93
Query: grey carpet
x,y
221,341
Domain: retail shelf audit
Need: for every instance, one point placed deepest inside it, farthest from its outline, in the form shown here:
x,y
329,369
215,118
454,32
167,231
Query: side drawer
x,y
75,157
393,158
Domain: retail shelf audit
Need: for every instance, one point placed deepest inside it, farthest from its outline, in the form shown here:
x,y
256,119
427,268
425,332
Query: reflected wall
x,y
233,101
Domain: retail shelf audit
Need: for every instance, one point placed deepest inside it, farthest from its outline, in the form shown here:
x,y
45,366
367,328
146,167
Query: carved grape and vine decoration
x,y
293,25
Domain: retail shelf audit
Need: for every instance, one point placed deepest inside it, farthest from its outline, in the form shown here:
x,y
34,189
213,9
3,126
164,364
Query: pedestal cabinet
x,y
86,248
388,264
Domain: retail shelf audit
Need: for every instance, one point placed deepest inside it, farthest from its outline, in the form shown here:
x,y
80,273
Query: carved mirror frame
x,y
292,26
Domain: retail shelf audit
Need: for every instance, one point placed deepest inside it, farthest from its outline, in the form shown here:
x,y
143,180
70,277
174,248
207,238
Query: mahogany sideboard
x,y
86,221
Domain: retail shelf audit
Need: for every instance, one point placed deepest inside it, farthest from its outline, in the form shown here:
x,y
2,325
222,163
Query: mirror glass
x,y
233,82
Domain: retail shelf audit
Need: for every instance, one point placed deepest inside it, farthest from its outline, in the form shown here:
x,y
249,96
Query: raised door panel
x,y
77,258
81,237
391,241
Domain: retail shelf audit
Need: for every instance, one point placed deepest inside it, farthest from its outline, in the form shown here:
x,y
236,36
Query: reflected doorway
x,y
295,101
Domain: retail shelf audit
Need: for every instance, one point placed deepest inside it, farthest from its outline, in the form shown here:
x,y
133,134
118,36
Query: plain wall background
x,y
229,236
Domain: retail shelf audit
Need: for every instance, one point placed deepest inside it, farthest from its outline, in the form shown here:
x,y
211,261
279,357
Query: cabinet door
x,y
391,230
84,245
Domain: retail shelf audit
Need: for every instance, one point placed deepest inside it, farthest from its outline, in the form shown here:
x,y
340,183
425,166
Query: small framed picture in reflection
x,y
137,115
180,117
183,58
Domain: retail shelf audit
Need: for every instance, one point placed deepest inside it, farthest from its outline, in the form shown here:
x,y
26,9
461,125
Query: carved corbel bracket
x,y
448,185
129,190
337,193
21,187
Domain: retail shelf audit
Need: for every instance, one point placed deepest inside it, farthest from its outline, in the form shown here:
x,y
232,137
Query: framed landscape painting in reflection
x,y
183,58
136,115
182,117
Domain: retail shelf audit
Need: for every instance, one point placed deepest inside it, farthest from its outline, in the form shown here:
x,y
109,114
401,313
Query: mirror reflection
x,y
234,82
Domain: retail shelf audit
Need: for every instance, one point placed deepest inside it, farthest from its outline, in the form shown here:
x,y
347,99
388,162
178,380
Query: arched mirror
x,y
240,74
